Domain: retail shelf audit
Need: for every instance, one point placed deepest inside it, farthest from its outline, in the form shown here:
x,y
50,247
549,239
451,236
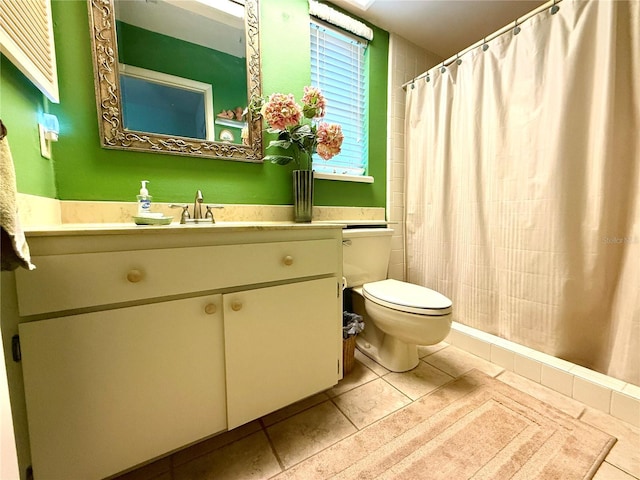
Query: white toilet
x,y
398,316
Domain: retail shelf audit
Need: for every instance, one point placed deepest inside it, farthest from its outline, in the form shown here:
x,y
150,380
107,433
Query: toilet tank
x,y
365,254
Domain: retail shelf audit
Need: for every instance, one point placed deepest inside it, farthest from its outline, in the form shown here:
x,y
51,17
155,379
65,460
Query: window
x,y
160,103
338,69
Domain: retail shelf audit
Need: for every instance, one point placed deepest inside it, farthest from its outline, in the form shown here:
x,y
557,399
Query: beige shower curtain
x,y
523,185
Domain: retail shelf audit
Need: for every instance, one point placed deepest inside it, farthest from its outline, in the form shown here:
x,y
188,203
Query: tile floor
x,y
370,392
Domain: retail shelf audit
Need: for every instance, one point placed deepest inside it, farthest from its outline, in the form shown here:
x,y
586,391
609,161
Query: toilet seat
x,y
407,297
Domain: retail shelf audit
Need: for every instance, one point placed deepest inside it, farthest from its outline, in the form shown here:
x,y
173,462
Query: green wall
x,y
85,171
20,105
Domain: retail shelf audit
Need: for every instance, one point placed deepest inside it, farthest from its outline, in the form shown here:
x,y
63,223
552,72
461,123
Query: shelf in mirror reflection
x,y
227,122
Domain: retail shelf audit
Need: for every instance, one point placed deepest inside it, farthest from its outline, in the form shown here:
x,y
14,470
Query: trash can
x,y
348,351
352,325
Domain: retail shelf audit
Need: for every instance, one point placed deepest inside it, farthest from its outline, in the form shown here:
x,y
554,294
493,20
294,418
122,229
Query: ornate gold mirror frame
x,y
109,102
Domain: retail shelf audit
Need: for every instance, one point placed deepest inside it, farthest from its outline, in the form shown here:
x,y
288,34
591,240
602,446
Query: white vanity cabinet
x,y
276,342
138,341
110,389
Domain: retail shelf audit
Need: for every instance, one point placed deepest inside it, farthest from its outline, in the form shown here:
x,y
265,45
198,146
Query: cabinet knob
x,y
210,308
288,260
134,276
236,305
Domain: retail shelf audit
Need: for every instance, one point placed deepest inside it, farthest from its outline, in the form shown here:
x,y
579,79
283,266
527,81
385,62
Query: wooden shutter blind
x,y
26,38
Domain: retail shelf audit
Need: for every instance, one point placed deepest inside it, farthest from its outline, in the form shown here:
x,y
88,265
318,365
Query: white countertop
x,y
132,228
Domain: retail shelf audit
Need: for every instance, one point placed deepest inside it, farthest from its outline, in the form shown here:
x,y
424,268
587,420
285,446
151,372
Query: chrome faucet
x,y
197,211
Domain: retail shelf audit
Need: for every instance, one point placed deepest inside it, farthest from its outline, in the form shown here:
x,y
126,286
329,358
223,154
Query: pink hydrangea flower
x,y
281,111
330,139
314,102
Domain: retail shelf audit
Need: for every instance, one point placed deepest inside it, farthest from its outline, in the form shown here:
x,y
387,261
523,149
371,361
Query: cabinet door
x,y
282,344
111,389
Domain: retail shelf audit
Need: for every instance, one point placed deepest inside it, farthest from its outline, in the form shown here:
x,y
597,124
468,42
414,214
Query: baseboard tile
x,y
610,395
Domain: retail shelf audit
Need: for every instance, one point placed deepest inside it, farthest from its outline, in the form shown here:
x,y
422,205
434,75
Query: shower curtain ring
x,y
443,69
427,79
458,61
554,8
485,45
516,29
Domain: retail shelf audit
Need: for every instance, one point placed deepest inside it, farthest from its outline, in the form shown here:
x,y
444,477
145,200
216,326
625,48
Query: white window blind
x,y
338,69
26,38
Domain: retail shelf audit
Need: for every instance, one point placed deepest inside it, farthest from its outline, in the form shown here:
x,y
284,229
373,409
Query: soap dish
x,y
152,220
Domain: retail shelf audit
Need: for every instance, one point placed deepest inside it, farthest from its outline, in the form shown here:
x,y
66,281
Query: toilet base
x,y
386,350
391,353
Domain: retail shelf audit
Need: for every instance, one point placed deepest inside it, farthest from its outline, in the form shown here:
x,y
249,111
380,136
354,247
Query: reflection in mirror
x,y
175,76
159,103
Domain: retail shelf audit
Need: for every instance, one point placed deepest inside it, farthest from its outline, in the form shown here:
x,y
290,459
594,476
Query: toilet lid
x,y
407,297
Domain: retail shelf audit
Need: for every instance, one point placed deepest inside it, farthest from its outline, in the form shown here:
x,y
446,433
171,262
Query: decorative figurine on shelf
x,y
235,114
228,114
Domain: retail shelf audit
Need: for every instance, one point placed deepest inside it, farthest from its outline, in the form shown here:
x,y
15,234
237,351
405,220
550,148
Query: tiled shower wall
x,y
406,61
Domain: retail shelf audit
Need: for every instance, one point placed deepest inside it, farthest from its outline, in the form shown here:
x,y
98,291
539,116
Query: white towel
x,y
14,251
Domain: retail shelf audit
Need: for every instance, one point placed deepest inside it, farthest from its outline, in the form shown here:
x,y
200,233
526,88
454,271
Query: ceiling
x,y
443,27
192,21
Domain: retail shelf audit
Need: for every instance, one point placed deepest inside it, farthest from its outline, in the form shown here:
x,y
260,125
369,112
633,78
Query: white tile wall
x,y
406,61
556,379
626,407
503,357
527,367
592,394
608,394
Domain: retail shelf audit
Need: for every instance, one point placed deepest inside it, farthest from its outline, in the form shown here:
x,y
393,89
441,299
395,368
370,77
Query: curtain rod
x,y
506,28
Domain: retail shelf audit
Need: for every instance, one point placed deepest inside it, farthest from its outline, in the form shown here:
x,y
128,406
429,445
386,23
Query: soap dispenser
x,y
144,200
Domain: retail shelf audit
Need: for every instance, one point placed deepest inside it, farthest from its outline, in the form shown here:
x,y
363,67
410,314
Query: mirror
x,y
175,76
